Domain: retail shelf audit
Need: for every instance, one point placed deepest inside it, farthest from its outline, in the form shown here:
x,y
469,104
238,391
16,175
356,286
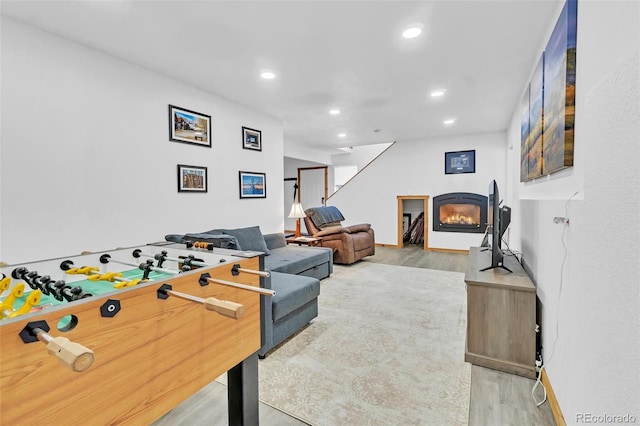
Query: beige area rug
x,y
386,349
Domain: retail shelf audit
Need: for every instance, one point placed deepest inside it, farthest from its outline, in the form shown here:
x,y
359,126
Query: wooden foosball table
x,y
123,336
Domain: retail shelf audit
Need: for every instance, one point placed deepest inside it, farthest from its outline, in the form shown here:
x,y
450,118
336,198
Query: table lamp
x,y
297,212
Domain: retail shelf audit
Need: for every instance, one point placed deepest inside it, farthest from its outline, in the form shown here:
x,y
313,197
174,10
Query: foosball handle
x,y
72,355
224,307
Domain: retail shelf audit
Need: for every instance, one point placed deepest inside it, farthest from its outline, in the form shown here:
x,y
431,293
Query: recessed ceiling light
x,y
438,93
342,135
267,74
334,111
449,121
412,31
346,149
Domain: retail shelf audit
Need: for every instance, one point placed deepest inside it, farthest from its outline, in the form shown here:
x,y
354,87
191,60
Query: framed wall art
x,y
460,162
192,178
189,126
536,139
251,139
253,185
560,92
524,136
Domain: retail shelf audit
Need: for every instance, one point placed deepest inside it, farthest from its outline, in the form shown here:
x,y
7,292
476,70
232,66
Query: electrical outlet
x,y
558,219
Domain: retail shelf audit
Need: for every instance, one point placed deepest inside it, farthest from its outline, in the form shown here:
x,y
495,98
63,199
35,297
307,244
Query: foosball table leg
x,y
242,392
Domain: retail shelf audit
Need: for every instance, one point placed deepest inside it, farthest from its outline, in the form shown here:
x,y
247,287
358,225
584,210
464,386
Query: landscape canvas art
x,y
524,136
560,87
535,141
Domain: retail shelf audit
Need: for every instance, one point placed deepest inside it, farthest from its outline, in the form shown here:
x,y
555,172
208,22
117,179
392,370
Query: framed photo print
x,y
251,139
460,162
189,126
253,185
192,178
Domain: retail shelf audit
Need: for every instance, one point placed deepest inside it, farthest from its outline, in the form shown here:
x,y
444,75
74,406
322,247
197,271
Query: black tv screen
x,y
460,162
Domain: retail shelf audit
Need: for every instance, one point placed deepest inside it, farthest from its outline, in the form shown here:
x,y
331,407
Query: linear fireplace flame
x,y
460,212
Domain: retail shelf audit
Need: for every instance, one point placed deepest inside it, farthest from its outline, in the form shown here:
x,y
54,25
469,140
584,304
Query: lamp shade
x,y
296,211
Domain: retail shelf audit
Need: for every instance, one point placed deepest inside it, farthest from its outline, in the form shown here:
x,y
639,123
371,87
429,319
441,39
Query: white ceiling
x,y
344,54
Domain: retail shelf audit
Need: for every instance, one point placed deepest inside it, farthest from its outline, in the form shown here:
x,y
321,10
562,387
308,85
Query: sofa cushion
x,y
249,239
295,259
292,291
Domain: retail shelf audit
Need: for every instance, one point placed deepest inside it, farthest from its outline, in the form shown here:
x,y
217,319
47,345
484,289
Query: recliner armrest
x,y
362,227
331,231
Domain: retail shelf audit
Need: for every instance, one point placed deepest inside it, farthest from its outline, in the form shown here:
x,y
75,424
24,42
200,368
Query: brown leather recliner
x,y
349,244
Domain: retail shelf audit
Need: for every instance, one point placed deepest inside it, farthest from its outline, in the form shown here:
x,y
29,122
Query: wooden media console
x,y
501,315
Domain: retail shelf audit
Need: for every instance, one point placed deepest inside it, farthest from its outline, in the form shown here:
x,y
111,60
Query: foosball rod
x,y
190,261
105,258
237,269
163,256
223,307
204,278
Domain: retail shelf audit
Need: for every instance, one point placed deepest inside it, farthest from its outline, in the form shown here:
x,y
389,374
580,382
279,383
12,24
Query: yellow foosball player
x,y
6,306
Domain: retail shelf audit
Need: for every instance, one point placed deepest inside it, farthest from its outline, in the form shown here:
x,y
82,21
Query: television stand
x,y
501,265
501,316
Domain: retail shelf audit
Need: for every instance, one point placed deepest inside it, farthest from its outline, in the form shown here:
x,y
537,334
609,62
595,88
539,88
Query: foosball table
x,y
123,336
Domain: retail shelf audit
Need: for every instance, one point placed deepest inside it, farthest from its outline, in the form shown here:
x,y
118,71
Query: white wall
x,y
417,168
589,291
86,159
359,155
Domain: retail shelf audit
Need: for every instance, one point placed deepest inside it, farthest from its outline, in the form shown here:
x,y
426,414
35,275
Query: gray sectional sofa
x,y
295,276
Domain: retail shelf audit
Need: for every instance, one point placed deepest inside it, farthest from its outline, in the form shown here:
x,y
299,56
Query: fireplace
x,y
460,212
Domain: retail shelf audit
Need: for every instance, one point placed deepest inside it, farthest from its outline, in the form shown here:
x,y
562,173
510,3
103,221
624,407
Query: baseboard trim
x,y
553,401
387,245
446,250
443,250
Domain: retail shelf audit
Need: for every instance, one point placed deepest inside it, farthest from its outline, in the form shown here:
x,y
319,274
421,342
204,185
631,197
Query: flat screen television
x,y
498,221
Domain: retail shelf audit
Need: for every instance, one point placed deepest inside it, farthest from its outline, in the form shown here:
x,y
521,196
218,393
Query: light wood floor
x,y
496,398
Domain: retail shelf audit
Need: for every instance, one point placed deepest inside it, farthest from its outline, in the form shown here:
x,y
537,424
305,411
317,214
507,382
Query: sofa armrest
x,y
266,316
275,240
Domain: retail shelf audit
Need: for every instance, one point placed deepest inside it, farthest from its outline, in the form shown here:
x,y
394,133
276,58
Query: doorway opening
x,y
424,228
